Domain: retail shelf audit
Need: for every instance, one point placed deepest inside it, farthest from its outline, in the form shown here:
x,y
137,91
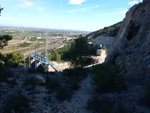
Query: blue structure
x,y
36,56
40,60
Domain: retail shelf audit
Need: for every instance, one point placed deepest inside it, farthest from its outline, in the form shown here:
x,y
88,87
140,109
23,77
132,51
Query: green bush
x,y
121,108
71,72
52,85
75,77
55,56
4,75
32,70
18,104
107,106
105,48
144,100
107,79
100,106
14,59
3,42
75,72
28,82
1,62
27,59
73,82
63,95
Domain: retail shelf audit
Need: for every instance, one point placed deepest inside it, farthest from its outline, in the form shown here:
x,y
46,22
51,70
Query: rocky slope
x,y
103,40
26,92
104,36
110,31
131,47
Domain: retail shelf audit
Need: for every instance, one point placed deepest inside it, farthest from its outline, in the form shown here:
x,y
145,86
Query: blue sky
x,y
87,15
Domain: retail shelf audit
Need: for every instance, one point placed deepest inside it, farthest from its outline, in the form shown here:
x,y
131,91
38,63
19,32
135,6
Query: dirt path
x,y
79,99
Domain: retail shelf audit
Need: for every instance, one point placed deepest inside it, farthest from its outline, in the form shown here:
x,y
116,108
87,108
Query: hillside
x,y
119,85
110,31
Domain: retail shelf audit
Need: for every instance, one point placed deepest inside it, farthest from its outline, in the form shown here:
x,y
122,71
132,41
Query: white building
x,y
38,37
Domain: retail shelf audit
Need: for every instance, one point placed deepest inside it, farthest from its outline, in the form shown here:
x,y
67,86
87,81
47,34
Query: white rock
x,y
39,80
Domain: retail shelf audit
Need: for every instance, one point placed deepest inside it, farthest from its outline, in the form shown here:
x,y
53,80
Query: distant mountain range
x,y
108,31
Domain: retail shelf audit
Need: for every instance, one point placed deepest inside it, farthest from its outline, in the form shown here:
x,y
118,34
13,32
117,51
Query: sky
x,y
84,15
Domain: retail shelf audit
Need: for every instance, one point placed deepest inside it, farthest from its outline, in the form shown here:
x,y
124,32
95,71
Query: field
x,y
26,39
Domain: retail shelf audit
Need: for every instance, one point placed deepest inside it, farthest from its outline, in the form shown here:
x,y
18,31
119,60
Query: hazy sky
x,y
88,15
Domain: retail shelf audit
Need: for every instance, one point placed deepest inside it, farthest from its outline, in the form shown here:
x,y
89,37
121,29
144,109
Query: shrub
x,y
14,59
75,72
100,106
1,62
32,70
63,95
55,56
40,69
18,104
145,99
121,108
105,48
73,82
107,106
28,82
4,75
70,72
27,60
11,63
107,79
52,85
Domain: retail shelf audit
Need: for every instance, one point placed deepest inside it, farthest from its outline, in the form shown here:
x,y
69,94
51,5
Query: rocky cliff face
x,y
103,40
131,47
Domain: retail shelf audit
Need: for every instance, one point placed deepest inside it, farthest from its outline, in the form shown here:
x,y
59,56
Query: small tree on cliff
x,y
80,52
3,42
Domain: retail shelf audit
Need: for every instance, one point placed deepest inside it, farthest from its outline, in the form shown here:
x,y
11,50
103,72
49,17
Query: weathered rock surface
x,y
131,47
103,40
39,80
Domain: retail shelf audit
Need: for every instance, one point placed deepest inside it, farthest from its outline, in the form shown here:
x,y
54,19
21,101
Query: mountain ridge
x,y
110,31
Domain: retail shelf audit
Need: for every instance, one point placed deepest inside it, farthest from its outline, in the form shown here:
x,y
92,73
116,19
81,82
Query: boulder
x,y
39,80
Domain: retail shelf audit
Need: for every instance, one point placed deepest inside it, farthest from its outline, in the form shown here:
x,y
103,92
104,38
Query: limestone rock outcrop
x,y
131,47
39,80
103,40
